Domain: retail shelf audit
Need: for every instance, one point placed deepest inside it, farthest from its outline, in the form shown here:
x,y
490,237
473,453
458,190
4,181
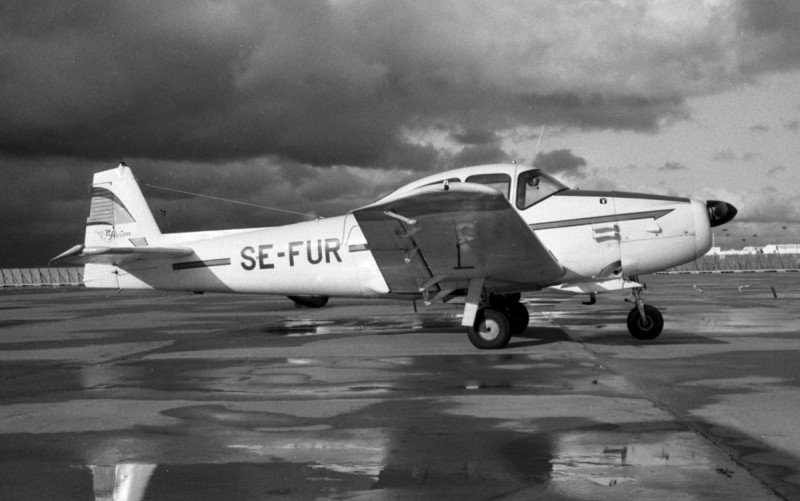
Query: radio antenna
x,y
538,142
220,199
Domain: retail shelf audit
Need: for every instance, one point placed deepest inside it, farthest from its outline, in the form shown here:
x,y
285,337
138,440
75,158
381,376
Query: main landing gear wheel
x,y
491,330
516,312
518,318
647,327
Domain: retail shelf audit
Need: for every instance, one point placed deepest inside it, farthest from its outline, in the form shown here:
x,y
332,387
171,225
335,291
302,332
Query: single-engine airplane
x,y
476,235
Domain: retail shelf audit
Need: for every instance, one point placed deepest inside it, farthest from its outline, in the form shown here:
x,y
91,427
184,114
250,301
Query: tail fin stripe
x,y
107,209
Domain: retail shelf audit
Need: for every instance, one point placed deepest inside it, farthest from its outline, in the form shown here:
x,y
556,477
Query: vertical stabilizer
x,y
119,215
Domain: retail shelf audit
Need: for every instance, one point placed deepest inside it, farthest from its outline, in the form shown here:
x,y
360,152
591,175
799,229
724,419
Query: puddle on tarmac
x,y
380,325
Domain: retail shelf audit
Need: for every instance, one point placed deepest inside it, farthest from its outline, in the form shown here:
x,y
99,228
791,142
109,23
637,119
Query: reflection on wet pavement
x,y
318,327
123,482
618,458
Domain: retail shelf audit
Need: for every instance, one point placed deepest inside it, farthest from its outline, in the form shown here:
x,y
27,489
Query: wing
x,y
441,237
117,255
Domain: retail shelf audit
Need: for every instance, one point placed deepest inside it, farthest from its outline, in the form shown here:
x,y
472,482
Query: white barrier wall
x,y
757,261
16,277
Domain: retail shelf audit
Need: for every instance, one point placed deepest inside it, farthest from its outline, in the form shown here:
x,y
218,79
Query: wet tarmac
x,y
180,396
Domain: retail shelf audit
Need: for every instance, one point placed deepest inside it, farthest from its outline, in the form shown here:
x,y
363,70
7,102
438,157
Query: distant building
x,y
767,249
771,257
781,249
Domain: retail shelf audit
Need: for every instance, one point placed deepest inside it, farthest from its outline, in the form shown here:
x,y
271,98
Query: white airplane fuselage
x,y
594,235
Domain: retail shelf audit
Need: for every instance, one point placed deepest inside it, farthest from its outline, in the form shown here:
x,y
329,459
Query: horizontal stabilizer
x,y
118,255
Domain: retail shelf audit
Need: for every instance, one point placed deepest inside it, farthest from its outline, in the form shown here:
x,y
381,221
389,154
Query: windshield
x,y
533,186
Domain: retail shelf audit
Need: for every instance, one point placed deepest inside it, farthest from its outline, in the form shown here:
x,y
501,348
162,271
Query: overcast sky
x,y
323,106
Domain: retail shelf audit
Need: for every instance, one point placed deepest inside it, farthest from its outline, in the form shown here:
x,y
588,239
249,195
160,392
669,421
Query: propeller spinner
x,y
720,213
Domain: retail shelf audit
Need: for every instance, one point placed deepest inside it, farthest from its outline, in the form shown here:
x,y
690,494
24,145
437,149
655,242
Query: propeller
x,y
720,213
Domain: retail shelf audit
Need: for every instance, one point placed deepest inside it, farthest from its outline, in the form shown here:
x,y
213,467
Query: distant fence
x,y
38,277
729,263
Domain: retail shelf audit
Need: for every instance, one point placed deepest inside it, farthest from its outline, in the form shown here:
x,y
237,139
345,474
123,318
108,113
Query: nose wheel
x,y
645,322
647,326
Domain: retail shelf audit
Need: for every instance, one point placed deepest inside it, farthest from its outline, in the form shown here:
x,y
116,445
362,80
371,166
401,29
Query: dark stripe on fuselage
x,y
619,194
188,265
611,218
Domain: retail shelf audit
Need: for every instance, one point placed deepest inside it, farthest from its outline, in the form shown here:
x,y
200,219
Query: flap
x,y
441,236
613,284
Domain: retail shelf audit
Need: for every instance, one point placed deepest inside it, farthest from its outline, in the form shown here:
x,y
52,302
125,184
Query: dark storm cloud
x,y
560,162
187,80
334,83
43,211
775,42
475,137
479,155
240,194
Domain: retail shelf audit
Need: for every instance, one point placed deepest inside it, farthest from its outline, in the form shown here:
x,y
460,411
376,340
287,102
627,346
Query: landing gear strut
x,y
495,324
644,321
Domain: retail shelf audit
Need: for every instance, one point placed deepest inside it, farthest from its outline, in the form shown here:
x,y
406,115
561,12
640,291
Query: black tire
x,y
646,328
309,301
518,318
500,301
491,330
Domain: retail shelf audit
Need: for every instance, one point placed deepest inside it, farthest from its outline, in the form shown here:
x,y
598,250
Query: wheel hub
x,y
490,331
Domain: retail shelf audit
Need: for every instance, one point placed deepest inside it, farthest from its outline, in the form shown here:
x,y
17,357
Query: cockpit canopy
x,y
530,186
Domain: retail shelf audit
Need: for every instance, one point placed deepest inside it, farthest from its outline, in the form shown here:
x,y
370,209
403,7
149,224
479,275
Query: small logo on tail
x,y
110,234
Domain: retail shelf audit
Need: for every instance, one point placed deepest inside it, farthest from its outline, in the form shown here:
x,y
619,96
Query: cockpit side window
x,y
533,186
500,182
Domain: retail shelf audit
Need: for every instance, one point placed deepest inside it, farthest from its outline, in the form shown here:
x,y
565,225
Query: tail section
x,y
119,214
120,231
